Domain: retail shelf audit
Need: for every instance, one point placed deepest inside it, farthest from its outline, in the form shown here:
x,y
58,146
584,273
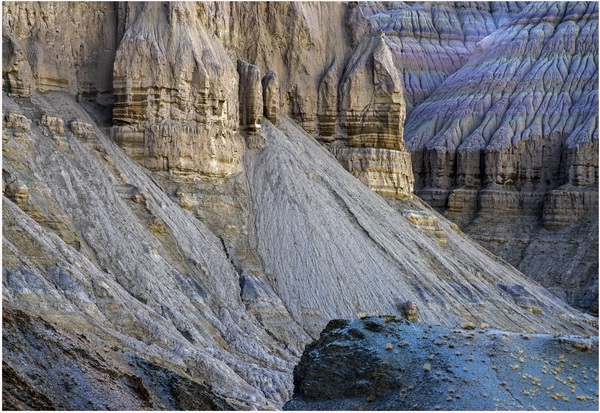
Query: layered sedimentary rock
x,y
413,48
308,53
176,93
431,40
298,40
310,65
371,105
101,249
110,254
293,177
508,143
59,46
270,88
16,72
251,97
383,363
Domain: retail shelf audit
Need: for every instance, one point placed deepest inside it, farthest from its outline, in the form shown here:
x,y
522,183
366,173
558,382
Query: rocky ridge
x,y
429,41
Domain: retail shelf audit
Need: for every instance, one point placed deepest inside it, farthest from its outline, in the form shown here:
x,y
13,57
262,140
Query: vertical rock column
x,y
270,89
251,99
372,112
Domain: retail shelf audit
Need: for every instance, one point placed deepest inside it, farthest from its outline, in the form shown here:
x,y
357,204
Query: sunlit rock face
x,y
48,46
507,146
176,93
372,112
418,47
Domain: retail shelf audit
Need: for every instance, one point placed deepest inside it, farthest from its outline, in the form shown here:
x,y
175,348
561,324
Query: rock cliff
x,y
176,93
507,146
371,111
160,214
380,363
59,46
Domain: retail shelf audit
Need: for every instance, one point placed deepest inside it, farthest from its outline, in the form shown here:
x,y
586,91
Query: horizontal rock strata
x,y
431,40
371,104
175,94
270,86
499,158
60,46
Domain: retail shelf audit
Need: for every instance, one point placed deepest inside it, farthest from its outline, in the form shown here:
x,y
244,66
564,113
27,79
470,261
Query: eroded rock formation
x,y
175,93
372,112
251,97
431,40
508,144
270,87
60,46
179,231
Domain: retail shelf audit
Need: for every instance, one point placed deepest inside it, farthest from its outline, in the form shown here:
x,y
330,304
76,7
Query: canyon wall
x,y
165,196
511,154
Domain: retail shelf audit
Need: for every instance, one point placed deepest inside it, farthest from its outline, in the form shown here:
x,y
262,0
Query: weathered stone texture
x,y
371,105
431,40
173,227
270,88
60,46
383,363
510,140
176,93
293,177
299,44
16,72
69,371
251,96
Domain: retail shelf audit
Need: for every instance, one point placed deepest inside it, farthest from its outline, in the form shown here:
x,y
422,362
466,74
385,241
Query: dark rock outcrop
x,y
68,370
382,363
